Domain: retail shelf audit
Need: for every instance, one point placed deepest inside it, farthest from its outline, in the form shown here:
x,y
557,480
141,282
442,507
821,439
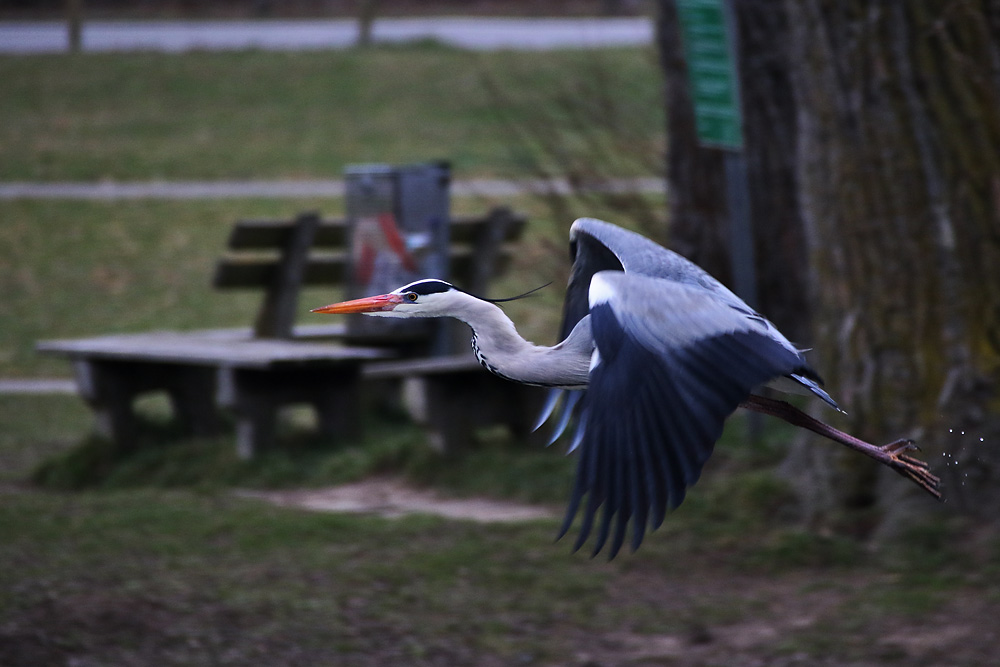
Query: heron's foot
x,y
912,468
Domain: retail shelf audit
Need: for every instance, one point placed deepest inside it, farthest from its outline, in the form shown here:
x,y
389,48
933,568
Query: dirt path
x,y
391,497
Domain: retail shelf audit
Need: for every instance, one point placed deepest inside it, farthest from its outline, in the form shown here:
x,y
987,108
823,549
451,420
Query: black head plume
x,y
435,286
519,296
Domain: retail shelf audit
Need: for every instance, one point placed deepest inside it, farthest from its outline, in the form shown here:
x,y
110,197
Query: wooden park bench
x,y
252,372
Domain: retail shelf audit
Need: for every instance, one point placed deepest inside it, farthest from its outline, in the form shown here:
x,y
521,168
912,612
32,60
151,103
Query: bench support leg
x,y
255,431
107,388
450,414
192,395
255,397
458,403
111,387
338,411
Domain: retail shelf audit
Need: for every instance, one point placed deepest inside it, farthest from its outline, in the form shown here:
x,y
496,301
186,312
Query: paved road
x,y
283,189
275,35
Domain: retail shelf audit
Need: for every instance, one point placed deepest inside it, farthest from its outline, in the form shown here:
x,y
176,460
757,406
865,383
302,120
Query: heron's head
x,y
423,298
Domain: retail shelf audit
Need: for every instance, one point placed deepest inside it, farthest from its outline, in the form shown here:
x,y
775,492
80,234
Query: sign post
x,y
708,32
709,37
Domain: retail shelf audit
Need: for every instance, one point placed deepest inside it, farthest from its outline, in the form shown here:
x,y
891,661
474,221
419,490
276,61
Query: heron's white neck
x,y
504,352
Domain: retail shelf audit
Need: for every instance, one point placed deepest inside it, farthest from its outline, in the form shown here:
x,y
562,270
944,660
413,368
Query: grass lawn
x,y
300,115
135,572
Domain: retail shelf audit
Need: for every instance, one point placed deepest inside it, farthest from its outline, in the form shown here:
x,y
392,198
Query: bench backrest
x,y
281,256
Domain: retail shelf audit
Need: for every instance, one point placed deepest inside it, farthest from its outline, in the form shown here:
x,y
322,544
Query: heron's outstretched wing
x,y
672,362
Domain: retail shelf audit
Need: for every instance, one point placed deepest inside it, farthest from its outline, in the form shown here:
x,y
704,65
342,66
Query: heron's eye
x,y
412,296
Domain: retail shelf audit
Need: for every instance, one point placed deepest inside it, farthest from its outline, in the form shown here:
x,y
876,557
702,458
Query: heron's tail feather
x,y
816,390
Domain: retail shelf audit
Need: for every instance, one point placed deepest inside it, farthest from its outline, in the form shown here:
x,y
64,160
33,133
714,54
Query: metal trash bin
x,y
399,232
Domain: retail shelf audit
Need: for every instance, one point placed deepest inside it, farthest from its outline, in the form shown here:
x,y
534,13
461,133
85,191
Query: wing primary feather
x,y
580,480
683,425
698,427
626,488
639,483
656,504
633,490
551,401
612,488
592,483
581,432
569,403
703,373
662,482
673,479
684,430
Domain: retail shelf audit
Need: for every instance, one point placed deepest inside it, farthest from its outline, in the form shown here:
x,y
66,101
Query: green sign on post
x,y
712,72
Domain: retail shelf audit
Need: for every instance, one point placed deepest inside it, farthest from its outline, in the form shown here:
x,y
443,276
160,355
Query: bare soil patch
x,y
392,497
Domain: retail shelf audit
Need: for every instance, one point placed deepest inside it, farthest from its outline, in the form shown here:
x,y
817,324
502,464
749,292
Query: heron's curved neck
x,y
503,351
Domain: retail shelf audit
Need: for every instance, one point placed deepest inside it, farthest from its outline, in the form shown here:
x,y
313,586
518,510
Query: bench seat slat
x,y
330,268
195,349
271,234
332,232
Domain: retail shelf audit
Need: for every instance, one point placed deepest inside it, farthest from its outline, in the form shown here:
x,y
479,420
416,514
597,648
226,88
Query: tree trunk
x,y
899,173
74,25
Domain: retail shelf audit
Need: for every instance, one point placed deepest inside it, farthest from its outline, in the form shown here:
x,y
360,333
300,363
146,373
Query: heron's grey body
x,y
664,352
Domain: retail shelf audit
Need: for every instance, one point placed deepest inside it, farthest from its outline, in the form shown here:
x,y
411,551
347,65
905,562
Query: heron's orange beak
x,y
369,304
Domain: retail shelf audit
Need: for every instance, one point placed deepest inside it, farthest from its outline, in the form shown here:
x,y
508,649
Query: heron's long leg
x,y
893,454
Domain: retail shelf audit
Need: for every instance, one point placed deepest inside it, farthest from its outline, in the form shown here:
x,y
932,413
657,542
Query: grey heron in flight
x,y
664,352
